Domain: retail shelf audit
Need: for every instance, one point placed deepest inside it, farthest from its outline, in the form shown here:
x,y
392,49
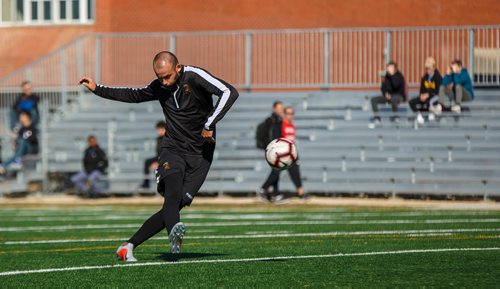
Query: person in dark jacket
x,y
393,89
274,125
429,90
26,101
457,88
186,95
26,142
95,163
152,163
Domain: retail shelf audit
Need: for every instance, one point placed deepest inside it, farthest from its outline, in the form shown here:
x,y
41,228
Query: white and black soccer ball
x,y
281,153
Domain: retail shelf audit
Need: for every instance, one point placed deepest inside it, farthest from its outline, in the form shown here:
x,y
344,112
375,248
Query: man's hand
x,y
387,96
208,135
153,166
88,83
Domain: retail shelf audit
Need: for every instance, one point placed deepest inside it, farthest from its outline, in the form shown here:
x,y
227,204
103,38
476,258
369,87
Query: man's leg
x,y
375,102
171,178
93,179
461,95
395,101
445,93
294,172
196,173
151,227
22,148
78,180
272,181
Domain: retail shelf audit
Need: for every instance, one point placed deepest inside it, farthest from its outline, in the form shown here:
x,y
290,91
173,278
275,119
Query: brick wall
x,y
20,46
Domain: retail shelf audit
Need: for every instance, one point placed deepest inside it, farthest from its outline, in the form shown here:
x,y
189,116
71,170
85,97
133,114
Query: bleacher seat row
x,y
338,152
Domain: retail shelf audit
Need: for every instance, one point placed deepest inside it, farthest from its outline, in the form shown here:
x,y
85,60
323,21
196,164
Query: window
x,y
62,10
46,12
75,9
34,10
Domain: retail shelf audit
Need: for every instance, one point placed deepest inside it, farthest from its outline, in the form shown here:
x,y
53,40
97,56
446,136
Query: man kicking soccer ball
x,y
185,94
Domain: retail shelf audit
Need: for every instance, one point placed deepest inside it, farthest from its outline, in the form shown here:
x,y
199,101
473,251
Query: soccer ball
x,y
281,153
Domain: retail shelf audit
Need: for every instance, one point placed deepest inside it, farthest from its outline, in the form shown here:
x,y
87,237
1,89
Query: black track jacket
x,y
187,106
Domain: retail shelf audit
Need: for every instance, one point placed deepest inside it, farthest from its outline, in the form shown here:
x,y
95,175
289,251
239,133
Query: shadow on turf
x,y
176,257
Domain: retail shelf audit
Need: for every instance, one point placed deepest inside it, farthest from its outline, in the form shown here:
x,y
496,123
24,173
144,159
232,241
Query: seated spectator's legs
x,y
34,116
395,101
434,100
375,102
14,119
147,165
445,93
79,181
415,104
23,147
462,95
93,179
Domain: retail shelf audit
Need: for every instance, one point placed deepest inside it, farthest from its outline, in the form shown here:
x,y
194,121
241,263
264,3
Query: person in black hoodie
x,y
273,123
152,163
26,142
95,163
429,90
393,89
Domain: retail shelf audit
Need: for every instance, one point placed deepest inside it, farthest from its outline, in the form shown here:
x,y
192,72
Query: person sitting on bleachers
x,y
26,142
457,88
26,101
95,163
152,163
393,91
429,90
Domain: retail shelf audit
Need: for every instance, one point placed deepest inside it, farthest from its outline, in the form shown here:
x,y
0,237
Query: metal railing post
x,y
471,53
64,80
111,151
45,146
98,59
172,43
388,46
326,84
248,60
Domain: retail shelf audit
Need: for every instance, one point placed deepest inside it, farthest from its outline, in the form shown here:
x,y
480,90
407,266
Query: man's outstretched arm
x,y
123,94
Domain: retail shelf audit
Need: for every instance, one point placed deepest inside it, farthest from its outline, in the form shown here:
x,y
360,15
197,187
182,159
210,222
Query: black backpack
x,y
263,134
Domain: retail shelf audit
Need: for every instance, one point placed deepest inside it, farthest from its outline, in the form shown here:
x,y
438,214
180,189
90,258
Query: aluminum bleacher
x,y
339,154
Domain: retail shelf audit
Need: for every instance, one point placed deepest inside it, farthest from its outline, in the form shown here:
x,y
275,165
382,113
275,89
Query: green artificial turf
x,y
267,247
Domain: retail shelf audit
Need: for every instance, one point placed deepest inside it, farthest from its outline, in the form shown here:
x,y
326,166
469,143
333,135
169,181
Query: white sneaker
x,y
126,252
456,108
432,117
420,118
175,237
436,109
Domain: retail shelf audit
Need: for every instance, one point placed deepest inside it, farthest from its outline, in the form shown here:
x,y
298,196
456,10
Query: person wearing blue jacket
x,y
456,87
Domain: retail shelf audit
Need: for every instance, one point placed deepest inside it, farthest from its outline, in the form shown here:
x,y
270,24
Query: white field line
x,y
255,223
281,235
244,260
245,216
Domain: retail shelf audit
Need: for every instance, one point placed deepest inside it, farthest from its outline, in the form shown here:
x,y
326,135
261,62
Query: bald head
x,y
164,58
166,67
